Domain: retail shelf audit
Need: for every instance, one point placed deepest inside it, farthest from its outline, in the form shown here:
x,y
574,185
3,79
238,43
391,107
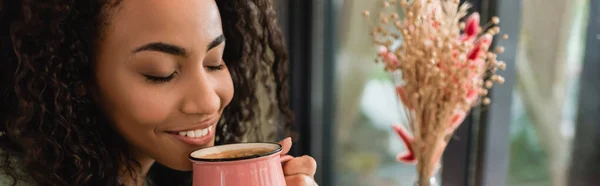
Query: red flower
x,y
471,27
409,156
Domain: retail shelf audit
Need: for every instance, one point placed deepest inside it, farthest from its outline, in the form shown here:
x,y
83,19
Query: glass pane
x,y
366,108
549,60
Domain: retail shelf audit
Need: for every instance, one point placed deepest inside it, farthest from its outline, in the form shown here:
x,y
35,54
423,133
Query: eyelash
x,y
156,79
215,68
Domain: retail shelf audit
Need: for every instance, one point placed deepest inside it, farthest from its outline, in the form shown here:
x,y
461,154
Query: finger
x,y
285,158
300,180
286,145
305,165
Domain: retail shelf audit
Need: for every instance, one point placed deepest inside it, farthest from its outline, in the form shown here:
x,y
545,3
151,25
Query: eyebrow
x,y
216,42
174,49
162,47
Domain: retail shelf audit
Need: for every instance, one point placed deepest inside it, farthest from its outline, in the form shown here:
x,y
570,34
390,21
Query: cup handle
x,y
285,158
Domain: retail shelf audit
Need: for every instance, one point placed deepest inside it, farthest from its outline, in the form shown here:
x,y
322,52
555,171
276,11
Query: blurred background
x,y
542,128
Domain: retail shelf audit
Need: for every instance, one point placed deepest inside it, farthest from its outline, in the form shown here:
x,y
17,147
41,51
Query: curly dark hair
x,y
53,135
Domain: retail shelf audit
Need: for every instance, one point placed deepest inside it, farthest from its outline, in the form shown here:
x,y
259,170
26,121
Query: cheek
x,y
149,107
131,104
225,88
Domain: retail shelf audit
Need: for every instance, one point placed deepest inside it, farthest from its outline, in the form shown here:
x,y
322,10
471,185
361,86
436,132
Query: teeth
x,y
196,133
190,134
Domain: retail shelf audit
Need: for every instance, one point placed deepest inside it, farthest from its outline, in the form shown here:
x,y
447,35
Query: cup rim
x,y
274,151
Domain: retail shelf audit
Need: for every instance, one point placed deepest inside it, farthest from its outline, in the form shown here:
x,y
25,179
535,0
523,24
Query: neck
x,y
140,171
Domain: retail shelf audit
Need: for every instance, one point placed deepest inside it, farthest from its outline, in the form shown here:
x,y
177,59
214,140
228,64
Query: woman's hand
x,y
299,171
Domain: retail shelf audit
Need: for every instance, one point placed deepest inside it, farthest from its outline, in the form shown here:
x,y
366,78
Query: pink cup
x,y
260,170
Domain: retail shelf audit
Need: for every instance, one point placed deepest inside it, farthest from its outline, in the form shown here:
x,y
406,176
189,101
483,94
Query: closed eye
x,y
158,79
215,68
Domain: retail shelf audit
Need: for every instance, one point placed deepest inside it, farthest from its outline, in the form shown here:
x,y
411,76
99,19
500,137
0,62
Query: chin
x,y
179,161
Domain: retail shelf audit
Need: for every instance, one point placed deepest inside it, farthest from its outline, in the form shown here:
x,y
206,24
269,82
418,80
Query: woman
x,y
112,92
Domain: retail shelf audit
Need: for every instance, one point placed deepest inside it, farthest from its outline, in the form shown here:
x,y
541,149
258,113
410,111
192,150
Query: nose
x,y
201,96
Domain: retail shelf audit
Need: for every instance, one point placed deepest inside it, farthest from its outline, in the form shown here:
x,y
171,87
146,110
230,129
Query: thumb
x,y
286,145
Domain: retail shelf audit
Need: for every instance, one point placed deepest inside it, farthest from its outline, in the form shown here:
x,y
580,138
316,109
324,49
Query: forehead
x,y
185,22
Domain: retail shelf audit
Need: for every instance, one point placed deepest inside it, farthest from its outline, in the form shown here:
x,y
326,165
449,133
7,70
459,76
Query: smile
x,y
197,137
196,133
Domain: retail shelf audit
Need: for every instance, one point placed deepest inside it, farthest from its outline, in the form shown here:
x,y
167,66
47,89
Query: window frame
x,y
585,168
492,151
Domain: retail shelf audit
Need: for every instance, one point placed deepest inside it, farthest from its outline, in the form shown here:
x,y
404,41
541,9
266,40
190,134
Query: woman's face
x,y
161,78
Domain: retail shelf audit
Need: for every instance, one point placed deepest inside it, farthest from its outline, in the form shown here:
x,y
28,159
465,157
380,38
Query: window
x,y
549,59
542,127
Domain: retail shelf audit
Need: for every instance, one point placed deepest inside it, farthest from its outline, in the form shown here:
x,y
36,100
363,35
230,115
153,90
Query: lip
x,y
200,125
196,141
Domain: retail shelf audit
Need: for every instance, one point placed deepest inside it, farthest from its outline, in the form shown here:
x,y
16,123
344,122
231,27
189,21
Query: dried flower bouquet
x,y
441,65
